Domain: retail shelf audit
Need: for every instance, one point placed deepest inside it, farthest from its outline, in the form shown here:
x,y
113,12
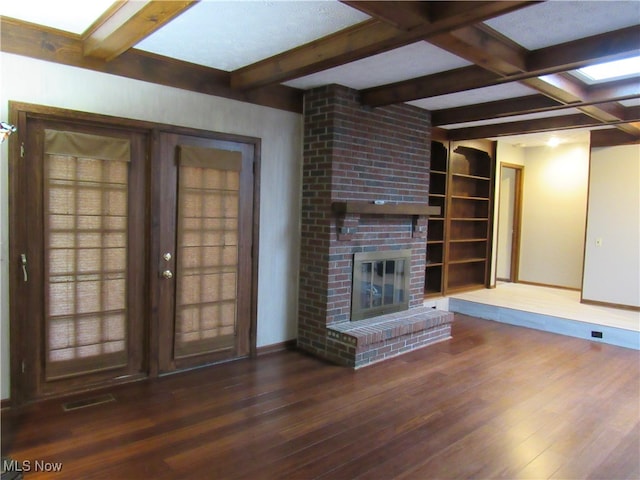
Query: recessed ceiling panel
x,y
73,16
515,118
576,135
229,35
410,61
553,22
478,95
632,102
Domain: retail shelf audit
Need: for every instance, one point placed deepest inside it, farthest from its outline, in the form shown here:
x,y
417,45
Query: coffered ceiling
x,y
485,69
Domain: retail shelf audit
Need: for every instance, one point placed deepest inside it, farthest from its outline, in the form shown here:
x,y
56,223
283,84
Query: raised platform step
x,y
386,336
549,323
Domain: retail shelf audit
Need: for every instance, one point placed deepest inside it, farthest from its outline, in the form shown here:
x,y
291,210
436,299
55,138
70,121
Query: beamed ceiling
x,y
484,69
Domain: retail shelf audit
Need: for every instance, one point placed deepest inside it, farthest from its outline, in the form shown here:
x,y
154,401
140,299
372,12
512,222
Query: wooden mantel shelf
x,y
370,208
349,213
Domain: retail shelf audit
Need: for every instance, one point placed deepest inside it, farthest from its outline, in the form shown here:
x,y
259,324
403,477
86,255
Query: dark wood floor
x,y
495,402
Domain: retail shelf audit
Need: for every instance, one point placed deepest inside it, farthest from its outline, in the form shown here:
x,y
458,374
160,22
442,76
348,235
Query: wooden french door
x,y
81,256
203,264
132,253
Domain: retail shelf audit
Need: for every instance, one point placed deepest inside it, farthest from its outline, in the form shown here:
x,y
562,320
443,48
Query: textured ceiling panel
x,y
56,14
515,118
553,22
402,63
633,102
479,95
230,35
576,135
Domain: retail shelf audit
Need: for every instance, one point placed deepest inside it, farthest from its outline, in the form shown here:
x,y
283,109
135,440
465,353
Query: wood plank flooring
x,y
496,401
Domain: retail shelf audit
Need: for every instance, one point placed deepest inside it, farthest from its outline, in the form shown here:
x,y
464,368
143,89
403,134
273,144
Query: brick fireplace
x,y
365,188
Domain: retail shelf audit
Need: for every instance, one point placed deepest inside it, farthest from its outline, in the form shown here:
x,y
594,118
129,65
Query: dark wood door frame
x,y
19,113
517,220
37,381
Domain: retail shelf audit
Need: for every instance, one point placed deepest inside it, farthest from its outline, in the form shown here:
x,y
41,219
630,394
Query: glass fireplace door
x,y
380,283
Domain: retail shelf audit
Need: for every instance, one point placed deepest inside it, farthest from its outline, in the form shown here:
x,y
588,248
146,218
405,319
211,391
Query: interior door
x,y
82,260
204,257
509,213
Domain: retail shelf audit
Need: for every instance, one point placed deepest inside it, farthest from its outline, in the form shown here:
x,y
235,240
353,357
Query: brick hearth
x,y
376,339
352,152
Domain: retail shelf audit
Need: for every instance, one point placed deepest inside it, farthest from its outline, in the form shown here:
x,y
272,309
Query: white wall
x,y
612,270
554,214
38,82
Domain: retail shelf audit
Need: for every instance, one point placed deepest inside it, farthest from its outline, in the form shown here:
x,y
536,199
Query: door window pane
x,y
85,238
207,255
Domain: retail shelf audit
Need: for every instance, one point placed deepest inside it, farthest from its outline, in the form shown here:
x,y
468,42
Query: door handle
x,y
168,274
23,262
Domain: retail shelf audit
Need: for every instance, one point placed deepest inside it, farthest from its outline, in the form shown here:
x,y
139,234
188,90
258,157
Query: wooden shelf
x,y
474,177
464,240
467,260
463,197
369,208
464,287
349,213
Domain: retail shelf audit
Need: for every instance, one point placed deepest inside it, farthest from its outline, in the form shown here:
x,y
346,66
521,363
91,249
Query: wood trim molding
x,y
619,306
524,126
367,38
439,134
277,347
442,83
484,46
497,109
578,53
5,404
29,40
539,62
609,92
612,137
537,284
126,23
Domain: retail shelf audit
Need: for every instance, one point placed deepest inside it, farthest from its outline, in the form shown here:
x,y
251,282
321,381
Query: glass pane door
x,y
207,255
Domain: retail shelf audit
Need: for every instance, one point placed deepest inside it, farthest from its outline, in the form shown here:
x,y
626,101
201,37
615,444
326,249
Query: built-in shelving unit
x,y
459,241
434,268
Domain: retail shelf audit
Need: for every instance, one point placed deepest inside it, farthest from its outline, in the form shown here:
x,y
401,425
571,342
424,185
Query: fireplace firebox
x,y
380,283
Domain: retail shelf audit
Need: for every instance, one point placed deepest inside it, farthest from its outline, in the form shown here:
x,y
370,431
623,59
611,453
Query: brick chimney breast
x,y
353,152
